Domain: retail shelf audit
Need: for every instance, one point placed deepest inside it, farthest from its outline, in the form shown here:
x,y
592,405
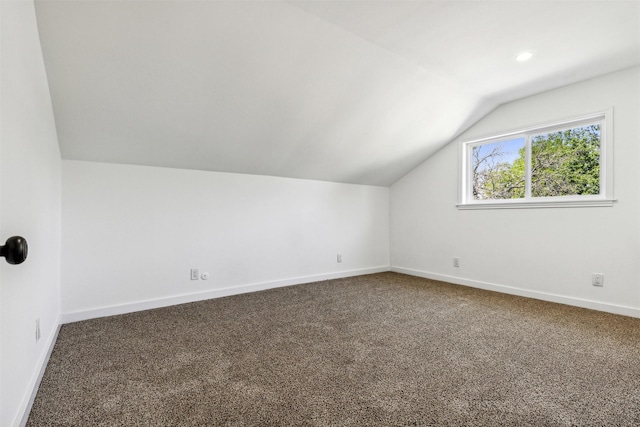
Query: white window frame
x,y
605,198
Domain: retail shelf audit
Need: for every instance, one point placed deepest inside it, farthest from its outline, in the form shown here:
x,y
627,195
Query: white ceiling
x,y
346,91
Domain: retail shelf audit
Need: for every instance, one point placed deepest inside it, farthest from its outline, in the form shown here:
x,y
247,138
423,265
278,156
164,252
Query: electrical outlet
x,y
37,329
195,274
204,276
597,279
339,258
456,262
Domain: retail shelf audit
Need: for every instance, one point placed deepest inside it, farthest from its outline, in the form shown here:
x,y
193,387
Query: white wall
x,y
30,207
544,253
131,234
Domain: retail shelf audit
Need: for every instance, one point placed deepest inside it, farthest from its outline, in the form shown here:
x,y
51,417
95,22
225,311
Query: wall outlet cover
x,y
597,279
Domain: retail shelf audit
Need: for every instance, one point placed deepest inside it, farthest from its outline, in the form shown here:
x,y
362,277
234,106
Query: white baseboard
x,y
77,316
25,408
544,296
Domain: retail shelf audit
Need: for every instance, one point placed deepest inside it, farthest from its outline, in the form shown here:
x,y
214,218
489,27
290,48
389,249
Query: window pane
x,y
566,163
498,170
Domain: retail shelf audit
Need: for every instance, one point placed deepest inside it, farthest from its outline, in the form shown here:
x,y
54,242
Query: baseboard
x,y
77,316
544,296
23,413
34,385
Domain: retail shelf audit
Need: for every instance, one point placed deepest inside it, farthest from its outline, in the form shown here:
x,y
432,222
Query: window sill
x,y
538,204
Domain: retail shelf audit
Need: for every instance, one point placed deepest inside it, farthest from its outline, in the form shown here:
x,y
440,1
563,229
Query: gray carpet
x,y
383,349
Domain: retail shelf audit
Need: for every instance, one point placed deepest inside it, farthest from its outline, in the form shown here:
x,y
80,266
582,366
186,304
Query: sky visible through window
x,y
562,161
565,162
509,151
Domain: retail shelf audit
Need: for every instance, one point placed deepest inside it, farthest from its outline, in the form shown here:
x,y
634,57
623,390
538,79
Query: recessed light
x,y
524,56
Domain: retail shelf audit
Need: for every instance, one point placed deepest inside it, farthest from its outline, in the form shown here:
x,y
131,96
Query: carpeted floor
x,y
384,349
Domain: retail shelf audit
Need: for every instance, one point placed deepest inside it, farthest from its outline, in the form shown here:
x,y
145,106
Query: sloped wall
x,y
543,253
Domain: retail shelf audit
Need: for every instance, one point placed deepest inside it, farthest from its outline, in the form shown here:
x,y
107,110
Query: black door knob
x,y
15,250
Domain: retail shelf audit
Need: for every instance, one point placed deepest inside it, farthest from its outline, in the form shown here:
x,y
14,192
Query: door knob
x,y
15,250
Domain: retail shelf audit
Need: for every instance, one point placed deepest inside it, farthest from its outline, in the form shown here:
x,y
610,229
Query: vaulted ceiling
x,y
346,91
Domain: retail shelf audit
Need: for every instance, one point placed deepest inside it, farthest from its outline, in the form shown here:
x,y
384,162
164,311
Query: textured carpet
x,y
383,349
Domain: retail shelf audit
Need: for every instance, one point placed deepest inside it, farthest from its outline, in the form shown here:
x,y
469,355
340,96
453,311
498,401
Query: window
x,y
566,163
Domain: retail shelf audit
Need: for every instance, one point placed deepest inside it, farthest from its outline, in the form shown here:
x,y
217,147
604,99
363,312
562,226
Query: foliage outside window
x,y
562,164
